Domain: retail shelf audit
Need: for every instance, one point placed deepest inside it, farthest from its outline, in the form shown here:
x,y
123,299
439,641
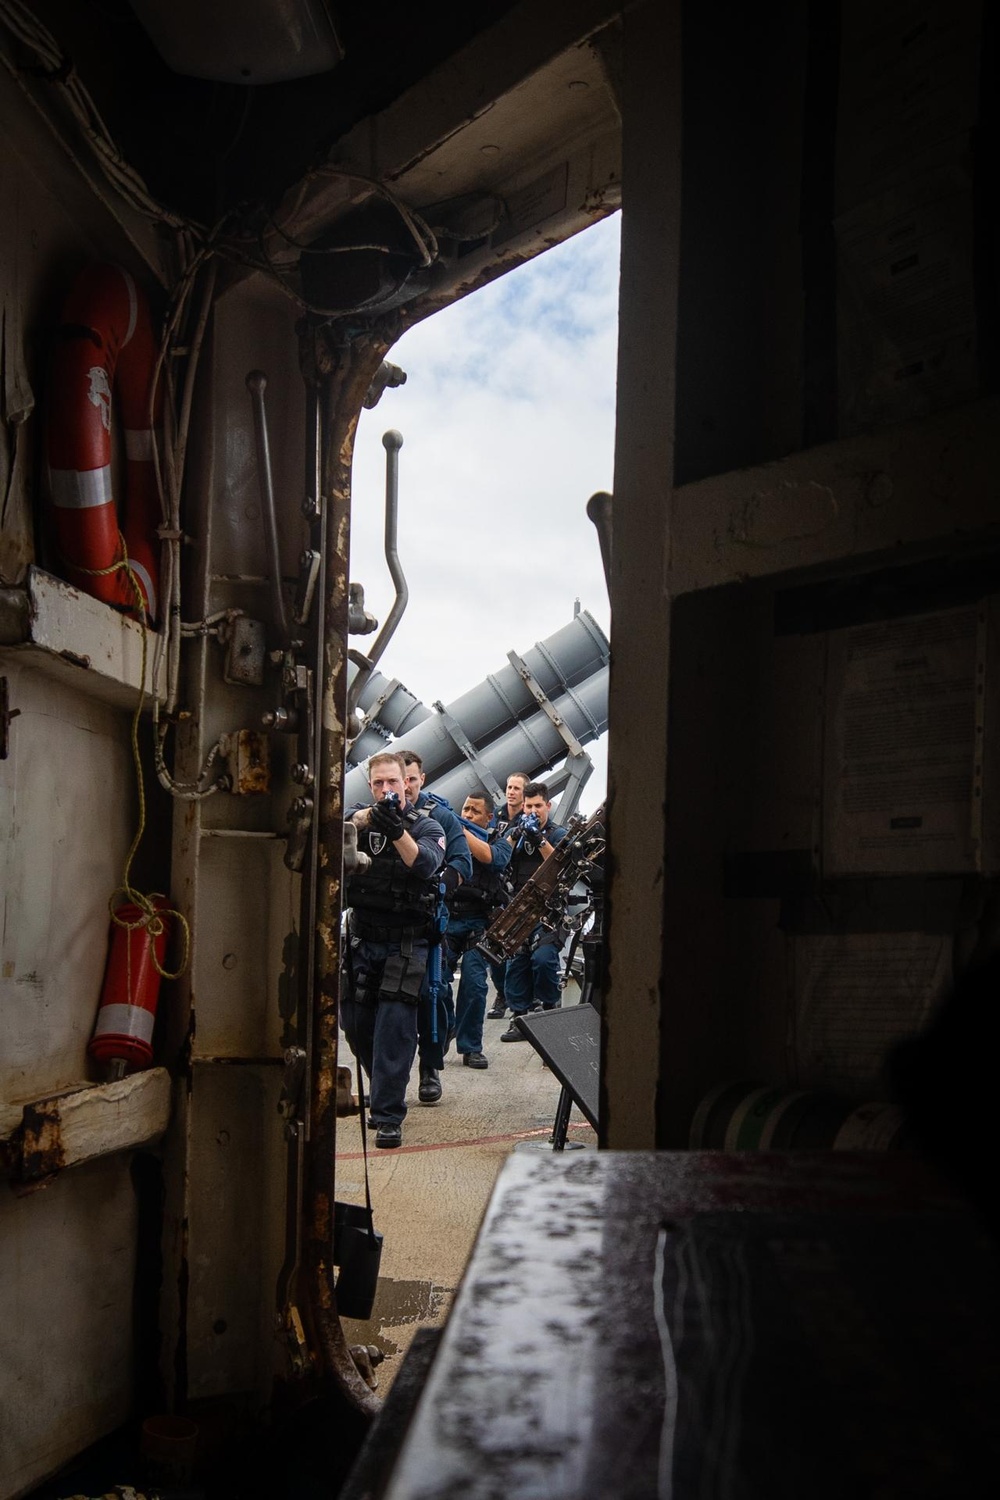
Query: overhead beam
x,y
495,62
526,114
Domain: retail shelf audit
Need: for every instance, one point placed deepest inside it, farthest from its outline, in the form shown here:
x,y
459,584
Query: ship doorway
x,y
507,420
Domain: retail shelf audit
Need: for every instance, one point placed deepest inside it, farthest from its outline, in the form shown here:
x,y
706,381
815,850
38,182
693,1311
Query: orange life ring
x,y
106,343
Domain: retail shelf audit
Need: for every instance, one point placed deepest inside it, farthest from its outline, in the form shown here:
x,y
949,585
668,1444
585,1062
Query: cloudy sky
x,y
507,419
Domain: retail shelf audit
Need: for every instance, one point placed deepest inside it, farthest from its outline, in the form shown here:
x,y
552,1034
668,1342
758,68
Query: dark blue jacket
x,y
526,859
406,893
456,850
483,889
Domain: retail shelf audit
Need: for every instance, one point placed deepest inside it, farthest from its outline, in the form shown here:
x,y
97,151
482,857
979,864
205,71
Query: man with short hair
x,y
532,978
384,959
471,908
514,793
507,814
456,869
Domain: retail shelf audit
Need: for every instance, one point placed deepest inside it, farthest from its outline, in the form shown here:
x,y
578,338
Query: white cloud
x,y
508,425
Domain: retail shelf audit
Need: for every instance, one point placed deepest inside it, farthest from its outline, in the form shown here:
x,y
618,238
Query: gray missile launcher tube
x,y
500,716
534,744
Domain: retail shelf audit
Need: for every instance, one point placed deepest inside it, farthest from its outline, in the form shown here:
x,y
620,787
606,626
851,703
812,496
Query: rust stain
x,y
350,367
321,1220
40,1140
250,760
76,660
603,201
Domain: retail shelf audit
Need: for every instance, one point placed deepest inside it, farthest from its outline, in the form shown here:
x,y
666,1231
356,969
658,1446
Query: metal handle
x,y
392,441
599,511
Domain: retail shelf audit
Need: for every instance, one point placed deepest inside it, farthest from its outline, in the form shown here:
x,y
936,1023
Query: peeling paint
x,y
77,661
350,369
41,1148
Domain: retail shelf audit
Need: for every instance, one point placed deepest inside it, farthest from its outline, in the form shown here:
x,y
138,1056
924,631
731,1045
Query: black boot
x,y
429,1091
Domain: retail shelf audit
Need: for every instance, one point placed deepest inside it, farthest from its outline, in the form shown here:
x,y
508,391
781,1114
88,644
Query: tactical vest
x,y
390,890
524,864
481,893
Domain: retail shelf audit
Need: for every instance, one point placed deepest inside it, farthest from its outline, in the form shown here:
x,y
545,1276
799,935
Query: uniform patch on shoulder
x,y
442,843
376,842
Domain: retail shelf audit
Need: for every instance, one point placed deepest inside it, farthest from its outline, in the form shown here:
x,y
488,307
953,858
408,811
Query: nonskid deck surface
x,y
429,1195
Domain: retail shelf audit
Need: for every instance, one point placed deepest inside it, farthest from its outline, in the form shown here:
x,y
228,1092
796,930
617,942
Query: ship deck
x,y
430,1194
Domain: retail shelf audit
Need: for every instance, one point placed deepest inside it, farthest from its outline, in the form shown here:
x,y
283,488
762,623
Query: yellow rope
x,y
152,918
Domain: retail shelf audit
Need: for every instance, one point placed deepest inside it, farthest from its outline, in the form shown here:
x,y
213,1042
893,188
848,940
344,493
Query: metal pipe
x,y
297,1035
256,383
311,746
599,511
392,441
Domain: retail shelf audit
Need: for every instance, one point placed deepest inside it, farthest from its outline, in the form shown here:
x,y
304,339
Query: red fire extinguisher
x,y
123,1035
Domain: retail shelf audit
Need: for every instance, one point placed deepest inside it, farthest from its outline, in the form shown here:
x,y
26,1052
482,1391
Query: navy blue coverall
x,y
457,858
384,962
471,908
532,977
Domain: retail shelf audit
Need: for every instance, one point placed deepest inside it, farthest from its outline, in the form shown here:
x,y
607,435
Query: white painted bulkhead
x,y
67,814
224,1156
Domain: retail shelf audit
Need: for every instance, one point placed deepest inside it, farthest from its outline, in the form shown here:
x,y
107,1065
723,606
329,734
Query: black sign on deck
x,y
569,1040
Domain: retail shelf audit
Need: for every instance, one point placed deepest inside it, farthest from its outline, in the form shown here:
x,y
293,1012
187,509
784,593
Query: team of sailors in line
x,y
435,881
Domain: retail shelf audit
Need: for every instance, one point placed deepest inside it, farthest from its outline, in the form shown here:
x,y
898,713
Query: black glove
x,y
385,818
450,879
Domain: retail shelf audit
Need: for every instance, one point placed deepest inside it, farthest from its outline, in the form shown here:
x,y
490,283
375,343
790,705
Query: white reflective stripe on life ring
x,y
80,489
147,585
125,1020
